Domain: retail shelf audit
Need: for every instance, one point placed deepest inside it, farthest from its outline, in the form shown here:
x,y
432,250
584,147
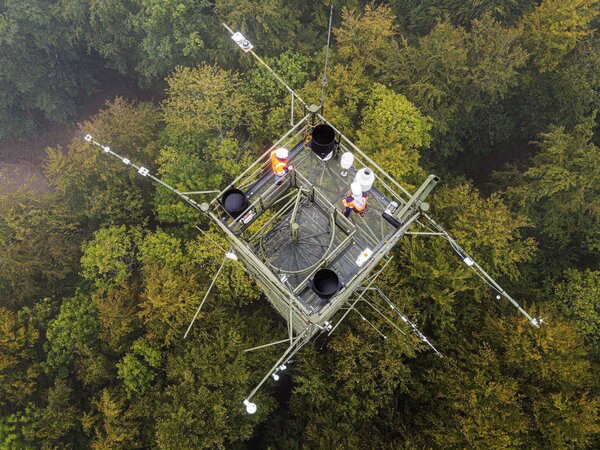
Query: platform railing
x,y
385,179
262,162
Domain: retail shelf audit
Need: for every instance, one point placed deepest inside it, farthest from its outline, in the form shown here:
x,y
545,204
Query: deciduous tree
x,y
96,188
560,192
578,295
392,131
70,332
206,113
39,243
554,29
367,41
18,369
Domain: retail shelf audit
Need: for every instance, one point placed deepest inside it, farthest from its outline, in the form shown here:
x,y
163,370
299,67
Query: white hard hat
x,y
282,153
356,188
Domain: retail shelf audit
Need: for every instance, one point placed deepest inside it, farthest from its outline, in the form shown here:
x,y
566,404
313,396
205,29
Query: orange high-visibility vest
x,y
350,203
279,166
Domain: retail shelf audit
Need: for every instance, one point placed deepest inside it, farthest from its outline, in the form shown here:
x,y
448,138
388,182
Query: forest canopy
x,y
101,272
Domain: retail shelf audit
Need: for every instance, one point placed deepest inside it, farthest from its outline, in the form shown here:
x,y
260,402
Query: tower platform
x,y
290,229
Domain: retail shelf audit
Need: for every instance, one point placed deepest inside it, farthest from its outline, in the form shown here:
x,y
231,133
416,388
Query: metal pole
x,y
293,224
265,345
145,173
292,113
326,60
290,324
205,234
413,327
289,352
205,297
369,322
383,315
261,158
373,278
271,71
424,233
482,273
201,192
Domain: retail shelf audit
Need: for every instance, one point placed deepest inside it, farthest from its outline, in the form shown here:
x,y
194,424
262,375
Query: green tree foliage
x,y
429,274
339,394
205,113
11,437
234,286
515,386
117,315
108,28
39,247
93,187
56,424
560,192
579,297
555,376
294,68
173,32
18,373
114,427
204,100
392,130
172,288
460,78
560,86
176,279
108,260
272,99
482,406
53,53
554,29
39,70
570,94
143,38
420,16
495,58
432,71
73,330
206,378
367,41
138,368
365,44
272,25
487,228
91,349
346,94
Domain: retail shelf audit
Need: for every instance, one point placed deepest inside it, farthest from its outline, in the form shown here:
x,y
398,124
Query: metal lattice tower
x,y
303,232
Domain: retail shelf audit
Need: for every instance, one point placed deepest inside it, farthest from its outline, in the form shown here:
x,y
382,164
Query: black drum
x,y
323,140
234,201
325,283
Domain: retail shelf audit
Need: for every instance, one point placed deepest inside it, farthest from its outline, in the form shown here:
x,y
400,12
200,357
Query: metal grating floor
x,y
326,176
284,254
294,259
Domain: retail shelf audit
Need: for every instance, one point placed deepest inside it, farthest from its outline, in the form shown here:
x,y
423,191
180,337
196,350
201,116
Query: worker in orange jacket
x,y
280,163
356,202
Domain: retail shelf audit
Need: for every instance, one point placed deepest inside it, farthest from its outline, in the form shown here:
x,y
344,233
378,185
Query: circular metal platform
x,y
298,251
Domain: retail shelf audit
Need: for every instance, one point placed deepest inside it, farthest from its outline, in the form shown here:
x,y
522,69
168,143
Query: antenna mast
x,y
326,60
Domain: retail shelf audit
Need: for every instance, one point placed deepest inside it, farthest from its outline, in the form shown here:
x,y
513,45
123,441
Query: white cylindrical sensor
x,y
347,160
366,178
